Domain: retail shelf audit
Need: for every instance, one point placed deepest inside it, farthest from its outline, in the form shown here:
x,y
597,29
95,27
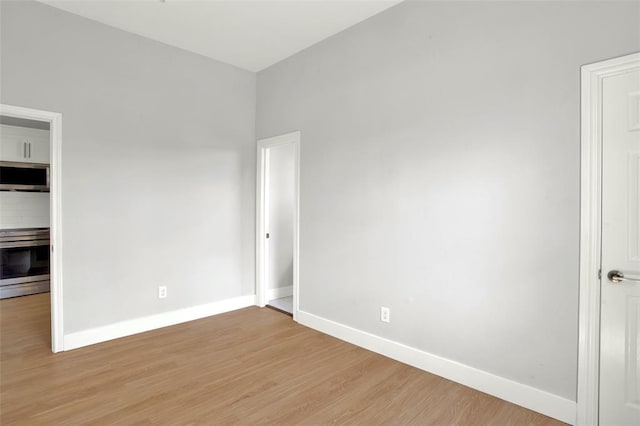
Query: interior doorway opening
x,y
30,225
277,222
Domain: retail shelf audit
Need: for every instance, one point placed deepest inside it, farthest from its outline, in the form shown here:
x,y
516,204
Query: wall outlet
x,y
162,292
385,314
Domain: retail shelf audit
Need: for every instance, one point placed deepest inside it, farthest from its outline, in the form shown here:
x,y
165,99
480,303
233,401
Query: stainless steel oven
x,y
24,261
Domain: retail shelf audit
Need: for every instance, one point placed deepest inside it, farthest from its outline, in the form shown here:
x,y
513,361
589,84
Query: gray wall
x,y
158,163
440,176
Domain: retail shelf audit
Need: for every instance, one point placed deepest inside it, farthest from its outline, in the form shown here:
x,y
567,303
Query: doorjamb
x,y
261,216
591,230
55,134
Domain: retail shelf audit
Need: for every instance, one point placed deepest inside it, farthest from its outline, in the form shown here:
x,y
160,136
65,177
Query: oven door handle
x,y
16,244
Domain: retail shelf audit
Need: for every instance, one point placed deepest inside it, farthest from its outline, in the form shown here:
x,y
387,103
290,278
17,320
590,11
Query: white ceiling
x,y
248,34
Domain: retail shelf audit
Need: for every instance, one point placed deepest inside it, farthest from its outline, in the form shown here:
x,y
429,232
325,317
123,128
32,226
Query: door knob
x,y
617,277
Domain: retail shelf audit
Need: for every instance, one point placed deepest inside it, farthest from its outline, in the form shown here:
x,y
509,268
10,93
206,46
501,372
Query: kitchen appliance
x,y
18,176
24,262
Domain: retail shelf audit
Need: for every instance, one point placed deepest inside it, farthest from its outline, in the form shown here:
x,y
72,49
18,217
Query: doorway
x,y
609,334
38,159
277,247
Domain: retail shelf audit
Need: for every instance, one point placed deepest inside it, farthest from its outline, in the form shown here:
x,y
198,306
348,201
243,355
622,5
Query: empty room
x,y
312,212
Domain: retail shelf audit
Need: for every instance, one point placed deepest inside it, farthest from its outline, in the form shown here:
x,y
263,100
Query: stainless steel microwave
x,y
16,176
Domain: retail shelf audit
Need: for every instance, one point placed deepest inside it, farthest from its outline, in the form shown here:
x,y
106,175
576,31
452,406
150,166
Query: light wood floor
x,y
251,366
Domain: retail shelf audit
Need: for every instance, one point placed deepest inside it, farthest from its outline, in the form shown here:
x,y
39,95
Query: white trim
x,y
509,390
590,231
261,216
277,293
55,122
152,322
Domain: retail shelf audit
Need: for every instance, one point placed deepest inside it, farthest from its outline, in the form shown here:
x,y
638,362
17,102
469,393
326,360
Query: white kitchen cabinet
x,y
24,145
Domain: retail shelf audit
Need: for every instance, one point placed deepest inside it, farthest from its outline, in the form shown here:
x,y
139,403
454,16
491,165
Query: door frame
x,y
55,221
591,231
262,171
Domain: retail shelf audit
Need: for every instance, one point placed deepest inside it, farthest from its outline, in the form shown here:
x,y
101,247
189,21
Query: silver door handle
x,y
24,149
29,149
618,277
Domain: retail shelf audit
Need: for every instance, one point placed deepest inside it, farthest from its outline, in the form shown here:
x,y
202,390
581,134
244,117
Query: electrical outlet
x,y
162,292
385,314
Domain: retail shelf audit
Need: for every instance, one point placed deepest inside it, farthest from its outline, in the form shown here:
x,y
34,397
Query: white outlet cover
x,y
162,292
385,314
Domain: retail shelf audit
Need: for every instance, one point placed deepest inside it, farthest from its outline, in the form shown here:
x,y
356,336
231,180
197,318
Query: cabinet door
x,y
38,150
12,147
24,145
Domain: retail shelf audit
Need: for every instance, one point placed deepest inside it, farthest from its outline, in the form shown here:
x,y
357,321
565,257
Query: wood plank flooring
x,y
252,366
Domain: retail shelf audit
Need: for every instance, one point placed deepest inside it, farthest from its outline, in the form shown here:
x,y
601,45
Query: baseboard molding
x,y
277,293
526,396
152,322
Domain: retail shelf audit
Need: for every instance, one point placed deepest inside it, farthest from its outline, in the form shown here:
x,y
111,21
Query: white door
x,y
620,292
279,219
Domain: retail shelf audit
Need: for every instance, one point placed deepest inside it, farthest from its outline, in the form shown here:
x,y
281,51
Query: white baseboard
x,y
277,293
526,396
152,322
